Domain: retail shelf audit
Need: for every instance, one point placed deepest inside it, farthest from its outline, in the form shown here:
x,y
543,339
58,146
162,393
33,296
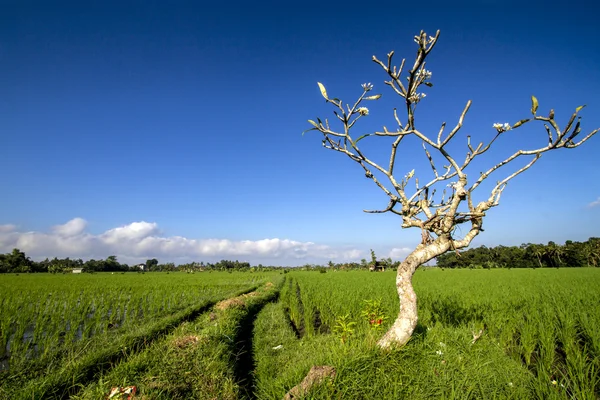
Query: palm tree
x,y
538,252
591,251
552,253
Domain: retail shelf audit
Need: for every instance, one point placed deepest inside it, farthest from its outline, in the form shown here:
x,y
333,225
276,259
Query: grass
x,y
540,338
427,368
56,373
202,359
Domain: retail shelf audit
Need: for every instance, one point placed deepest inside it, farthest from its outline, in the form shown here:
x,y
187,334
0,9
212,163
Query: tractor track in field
x,y
241,354
245,363
65,388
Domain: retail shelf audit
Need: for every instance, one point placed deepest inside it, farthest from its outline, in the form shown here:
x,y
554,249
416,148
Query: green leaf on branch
x,y
579,108
518,124
323,91
374,97
362,137
534,105
313,123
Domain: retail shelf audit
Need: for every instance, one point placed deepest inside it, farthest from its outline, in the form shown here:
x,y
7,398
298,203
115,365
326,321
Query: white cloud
x,y
7,228
8,236
72,228
399,253
139,241
132,232
594,203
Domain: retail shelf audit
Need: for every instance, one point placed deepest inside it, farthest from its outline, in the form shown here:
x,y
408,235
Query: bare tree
x,y
437,219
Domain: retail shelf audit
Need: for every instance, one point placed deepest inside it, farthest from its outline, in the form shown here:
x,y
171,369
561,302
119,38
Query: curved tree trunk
x,y
406,322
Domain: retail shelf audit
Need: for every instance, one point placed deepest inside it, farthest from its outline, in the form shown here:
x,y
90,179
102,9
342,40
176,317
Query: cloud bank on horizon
x,y
142,240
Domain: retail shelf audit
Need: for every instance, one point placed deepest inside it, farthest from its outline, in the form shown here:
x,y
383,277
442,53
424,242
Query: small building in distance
x,y
377,266
77,270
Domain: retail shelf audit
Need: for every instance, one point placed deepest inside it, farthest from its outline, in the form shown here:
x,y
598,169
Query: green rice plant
x,y
41,327
481,334
198,360
374,314
344,327
542,325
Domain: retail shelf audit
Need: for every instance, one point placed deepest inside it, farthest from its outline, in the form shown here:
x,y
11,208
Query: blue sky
x,y
174,129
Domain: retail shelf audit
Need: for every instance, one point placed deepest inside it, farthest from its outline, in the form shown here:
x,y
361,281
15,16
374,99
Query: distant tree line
x,y
381,264
527,255
18,262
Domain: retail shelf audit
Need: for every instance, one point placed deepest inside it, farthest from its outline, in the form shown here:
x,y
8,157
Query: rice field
x,y
481,334
47,319
493,334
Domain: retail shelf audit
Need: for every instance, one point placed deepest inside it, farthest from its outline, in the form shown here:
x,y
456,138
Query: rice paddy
x,y
481,334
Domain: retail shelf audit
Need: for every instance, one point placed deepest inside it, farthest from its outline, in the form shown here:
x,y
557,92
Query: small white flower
x,y
554,382
442,344
501,127
278,347
439,353
415,98
425,74
367,86
510,384
362,111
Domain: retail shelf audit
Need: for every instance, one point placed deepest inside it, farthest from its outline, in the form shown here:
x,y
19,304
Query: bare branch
x,y
430,161
573,145
439,136
390,208
419,209
393,73
441,217
397,119
457,127
550,139
393,155
502,184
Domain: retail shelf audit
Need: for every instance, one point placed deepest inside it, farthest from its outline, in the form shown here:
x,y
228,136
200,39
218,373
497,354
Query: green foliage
x,y
510,334
152,264
534,104
527,333
83,317
18,262
551,255
374,314
344,327
200,359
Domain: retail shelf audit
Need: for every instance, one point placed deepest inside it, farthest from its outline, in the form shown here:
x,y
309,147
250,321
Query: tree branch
x,y
442,217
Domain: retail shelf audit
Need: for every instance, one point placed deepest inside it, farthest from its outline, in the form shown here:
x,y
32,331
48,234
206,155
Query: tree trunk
x,y
406,322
